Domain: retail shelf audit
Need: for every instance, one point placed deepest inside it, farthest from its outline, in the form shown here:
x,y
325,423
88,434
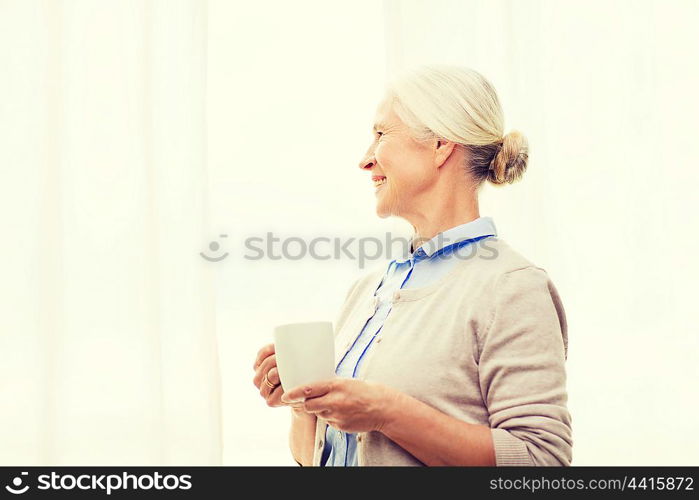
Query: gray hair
x,y
460,105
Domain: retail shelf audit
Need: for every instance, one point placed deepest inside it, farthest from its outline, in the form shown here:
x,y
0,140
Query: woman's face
x,y
400,168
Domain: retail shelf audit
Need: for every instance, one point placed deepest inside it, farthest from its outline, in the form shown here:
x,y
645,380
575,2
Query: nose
x,y
368,161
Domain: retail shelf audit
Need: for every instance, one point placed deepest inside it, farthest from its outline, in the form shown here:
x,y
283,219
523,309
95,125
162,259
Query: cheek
x,y
407,173
384,156
394,161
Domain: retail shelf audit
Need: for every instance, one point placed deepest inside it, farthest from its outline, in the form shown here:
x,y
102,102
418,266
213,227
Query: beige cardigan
x,y
486,344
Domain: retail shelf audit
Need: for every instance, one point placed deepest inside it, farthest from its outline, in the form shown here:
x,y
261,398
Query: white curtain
x,y
606,93
134,133
108,349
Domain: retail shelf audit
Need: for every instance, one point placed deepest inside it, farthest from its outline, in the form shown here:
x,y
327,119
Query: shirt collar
x,y
477,228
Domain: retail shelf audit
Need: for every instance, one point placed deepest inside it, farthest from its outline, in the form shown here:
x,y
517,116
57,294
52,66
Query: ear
x,y
442,151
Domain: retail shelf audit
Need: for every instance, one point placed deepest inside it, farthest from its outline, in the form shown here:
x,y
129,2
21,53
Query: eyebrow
x,y
379,125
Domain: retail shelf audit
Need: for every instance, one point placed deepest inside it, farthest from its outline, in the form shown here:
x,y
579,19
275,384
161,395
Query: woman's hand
x,y
303,425
347,404
266,364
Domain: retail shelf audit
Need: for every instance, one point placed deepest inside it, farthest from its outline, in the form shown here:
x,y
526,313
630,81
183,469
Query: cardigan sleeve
x,y
522,354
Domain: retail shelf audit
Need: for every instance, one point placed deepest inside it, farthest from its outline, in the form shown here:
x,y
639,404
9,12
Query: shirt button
x,y
320,444
396,296
359,438
378,341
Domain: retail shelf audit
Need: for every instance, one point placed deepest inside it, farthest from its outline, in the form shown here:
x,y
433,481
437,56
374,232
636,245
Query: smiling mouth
x,y
379,181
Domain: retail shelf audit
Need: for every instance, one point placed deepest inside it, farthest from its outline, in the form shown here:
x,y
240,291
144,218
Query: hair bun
x,y
510,160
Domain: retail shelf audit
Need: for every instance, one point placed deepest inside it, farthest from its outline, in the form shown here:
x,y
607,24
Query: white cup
x,y
305,353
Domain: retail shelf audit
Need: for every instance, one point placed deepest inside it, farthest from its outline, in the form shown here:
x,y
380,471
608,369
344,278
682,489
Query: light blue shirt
x,y
432,260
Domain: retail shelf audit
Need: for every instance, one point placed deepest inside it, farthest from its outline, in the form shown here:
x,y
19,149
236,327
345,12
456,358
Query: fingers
x,y
265,390
273,375
296,407
273,378
264,352
320,406
314,390
267,364
267,386
274,397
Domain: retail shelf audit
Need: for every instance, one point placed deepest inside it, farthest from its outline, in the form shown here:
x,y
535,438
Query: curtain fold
x,y
108,348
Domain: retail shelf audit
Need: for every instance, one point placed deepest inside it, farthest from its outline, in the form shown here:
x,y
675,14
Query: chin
x,y
387,207
382,211
383,215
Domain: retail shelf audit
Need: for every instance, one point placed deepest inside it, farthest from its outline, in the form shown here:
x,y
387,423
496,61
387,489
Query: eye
x,y
379,134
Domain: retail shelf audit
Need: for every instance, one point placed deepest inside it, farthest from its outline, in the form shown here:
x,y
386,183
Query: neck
x,y
443,213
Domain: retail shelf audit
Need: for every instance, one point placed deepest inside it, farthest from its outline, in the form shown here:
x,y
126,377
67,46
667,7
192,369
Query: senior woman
x,y
455,354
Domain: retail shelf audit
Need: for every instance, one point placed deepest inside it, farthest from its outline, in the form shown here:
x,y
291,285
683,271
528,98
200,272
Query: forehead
x,y
384,116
